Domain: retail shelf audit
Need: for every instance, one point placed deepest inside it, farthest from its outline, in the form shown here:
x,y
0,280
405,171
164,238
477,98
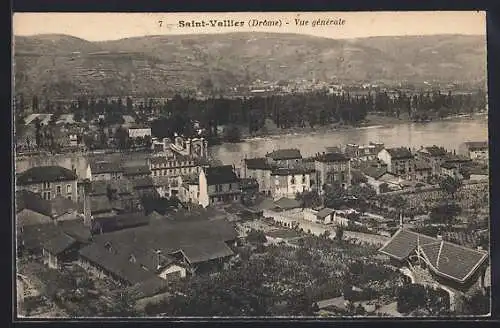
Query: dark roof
x,y
474,145
29,200
34,235
206,251
28,217
334,149
116,263
58,243
76,229
148,288
331,157
220,175
436,151
122,221
399,153
257,164
287,203
403,242
140,183
248,183
291,171
374,171
99,187
169,237
285,154
62,205
444,258
136,170
45,174
324,212
422,166
105,167
449,165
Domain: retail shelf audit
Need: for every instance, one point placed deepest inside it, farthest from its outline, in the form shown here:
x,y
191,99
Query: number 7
x,y
160,22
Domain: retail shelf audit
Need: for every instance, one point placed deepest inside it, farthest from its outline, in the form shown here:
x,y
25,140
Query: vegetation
x,y
444,214
478,303
412,298
450,185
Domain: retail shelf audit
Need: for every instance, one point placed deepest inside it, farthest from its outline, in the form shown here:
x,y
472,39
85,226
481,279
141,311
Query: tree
x,y
339,233
256,237
309,199
450,185
445,213
334,195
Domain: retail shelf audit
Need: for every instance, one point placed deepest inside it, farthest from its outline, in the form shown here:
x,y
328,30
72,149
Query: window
x,y
293,180
46,185
68,189
69,197
58,190
230,186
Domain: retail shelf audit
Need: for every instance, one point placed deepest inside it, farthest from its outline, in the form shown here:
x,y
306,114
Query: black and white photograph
x,y
251,165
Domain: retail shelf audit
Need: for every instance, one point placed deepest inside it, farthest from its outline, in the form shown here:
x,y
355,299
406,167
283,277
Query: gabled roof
x,y
399,153
58,243
117,264
285,154
122,221
257,164
206,251
332,157
374,171
76,229
403,242
41,174
445,259
220,175
62,205
148,288
26,199
325,212
287,203
436,151
28,217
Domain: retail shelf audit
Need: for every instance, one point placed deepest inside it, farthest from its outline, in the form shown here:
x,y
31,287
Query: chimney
x,y
158,259
401,220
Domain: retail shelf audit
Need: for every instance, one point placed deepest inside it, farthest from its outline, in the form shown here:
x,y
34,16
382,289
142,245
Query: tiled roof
x,y
446,259
28,217
287,203
29,200
400,153
422,166
58,243
45,174
206,251
449,165
373,171
76,229
436,151
257,164
325,212
331,157
148,288
99,187
62,205
220,175
403,242
285,154
122,221
118,264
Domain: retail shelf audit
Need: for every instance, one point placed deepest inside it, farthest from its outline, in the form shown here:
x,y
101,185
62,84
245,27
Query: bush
x,y
256,237
417,297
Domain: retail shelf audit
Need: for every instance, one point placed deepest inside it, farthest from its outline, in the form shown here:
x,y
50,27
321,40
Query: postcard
x,y
251,165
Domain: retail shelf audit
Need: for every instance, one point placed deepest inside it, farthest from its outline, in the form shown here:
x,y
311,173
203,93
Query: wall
x,y
44,190
173,269
203,198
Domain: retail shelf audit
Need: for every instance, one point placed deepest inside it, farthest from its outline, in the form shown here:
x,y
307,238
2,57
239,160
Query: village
x,y
271,236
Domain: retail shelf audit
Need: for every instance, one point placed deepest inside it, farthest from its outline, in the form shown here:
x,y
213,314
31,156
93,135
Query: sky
x,y
113,26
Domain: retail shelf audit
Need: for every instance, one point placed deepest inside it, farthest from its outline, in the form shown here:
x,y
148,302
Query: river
x,y
447,133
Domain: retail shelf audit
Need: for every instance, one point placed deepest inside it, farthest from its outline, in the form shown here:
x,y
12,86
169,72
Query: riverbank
x,y
372,121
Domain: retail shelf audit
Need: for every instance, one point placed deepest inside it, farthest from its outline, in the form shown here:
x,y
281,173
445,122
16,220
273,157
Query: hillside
x,y
62,65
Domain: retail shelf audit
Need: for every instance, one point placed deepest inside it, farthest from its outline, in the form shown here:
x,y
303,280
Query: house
x,y
165,251
32,209
477,173
422,170
288,182
49,181
249,185
284,157
364,152
218,185
173,167
332,168
475,150
132,172
449,264
433,156
325,215
260,170
105,171
119,193
138,132
450,169
59,249
189,190
399,161
119,222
